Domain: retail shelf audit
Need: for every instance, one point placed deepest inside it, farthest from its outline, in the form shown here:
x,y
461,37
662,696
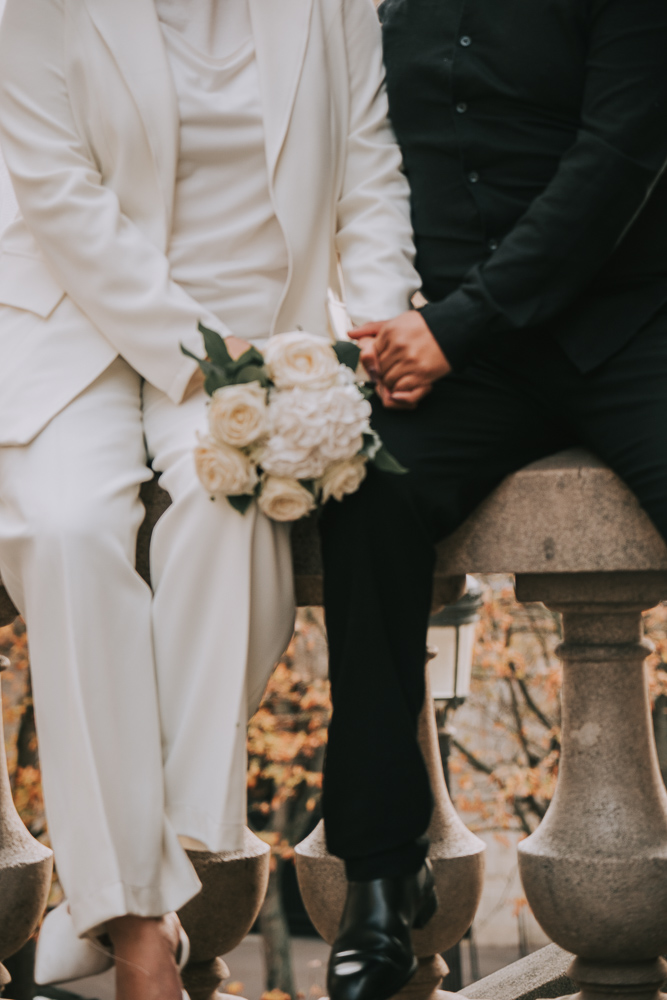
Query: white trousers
x,y
141,698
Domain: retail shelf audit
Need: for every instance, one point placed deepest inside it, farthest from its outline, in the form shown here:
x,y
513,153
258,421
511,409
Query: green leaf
x,y
241,502
367,390
252,373
372,444
385,462
215,347
215,376
250,357
347,353
189,354
215,379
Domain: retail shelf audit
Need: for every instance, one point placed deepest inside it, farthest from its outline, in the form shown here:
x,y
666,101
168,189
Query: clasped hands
x,y
403,358
401,355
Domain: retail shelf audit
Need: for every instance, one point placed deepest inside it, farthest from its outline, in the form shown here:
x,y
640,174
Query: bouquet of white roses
x,y
290,427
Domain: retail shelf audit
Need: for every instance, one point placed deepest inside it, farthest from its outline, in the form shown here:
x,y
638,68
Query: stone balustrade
x,y
594,871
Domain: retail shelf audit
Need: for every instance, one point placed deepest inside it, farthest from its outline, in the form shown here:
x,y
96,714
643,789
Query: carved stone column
x,y
457,856
25,871
595,871
218,919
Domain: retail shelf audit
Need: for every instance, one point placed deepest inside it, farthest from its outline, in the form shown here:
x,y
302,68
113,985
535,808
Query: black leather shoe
x,y
372,957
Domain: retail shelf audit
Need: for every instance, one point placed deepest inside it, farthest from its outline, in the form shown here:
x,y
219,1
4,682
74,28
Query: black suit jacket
x,y
534,135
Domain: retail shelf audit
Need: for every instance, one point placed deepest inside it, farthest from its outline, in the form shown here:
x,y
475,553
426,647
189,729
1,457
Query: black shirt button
x,y
492,245
473,176
462,107
465,41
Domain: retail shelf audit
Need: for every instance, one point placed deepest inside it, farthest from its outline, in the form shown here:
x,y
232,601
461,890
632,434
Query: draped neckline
x,y
216,30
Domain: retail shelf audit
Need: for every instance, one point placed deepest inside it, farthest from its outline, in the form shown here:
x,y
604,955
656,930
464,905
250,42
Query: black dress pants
x,y
521,401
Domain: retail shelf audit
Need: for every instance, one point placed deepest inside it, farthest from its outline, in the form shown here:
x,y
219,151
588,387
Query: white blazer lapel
x,y
132,31
280,29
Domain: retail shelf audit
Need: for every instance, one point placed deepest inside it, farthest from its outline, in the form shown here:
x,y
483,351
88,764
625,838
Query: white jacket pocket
x,y
26,283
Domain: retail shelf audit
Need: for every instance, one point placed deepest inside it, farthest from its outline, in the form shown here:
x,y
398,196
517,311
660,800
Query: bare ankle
x,y
145,950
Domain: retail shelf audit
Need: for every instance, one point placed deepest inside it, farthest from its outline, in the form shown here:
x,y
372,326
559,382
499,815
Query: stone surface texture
x,y
559,515
595,871
25,871
564,514
542,974
456,854
219,917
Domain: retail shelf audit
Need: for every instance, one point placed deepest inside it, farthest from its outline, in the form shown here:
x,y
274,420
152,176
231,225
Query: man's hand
x,y
195,385
408,355
401,400
393,401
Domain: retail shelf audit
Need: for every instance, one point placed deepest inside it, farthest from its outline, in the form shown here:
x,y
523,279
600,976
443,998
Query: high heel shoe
x,y
62,956
372,957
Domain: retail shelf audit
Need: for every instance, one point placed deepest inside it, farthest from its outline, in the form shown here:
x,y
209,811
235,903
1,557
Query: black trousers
x,y
521,401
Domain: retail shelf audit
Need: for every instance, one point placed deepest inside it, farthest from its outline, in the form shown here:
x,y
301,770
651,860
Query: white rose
x,y
343,478
238,414
301,359
223,470
348,419
280,459
284,499
310,430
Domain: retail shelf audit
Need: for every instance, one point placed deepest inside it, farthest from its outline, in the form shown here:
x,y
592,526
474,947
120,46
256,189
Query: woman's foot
x,y
145,951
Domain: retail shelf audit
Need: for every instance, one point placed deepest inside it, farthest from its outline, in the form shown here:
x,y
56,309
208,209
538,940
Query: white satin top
x,y
227,248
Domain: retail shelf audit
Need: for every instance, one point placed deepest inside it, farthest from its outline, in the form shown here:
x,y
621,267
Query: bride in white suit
x,y
174,161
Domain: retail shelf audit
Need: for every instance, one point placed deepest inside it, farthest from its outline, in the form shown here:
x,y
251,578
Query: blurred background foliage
x,y
505,742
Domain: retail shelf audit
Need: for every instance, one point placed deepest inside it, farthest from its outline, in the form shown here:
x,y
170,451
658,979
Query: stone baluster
x,y
457,856
595,871
25,871
217,920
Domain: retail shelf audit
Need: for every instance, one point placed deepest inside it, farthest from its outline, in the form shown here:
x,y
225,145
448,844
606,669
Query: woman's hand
x,y
195,385
408,355
236,346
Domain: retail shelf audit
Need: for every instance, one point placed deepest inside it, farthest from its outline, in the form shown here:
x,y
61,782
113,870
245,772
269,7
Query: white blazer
x,y
90,133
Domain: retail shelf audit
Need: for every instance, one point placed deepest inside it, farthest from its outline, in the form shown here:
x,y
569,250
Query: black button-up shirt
x,y
534,134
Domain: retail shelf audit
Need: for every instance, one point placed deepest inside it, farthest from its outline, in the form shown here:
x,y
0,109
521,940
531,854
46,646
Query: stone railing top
x,y
565,514
540,975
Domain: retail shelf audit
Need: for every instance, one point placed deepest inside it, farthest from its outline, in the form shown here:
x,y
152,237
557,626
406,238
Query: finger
x,y
389,351
399,404
236,346
370,363
411,398
409,382
390,403
396,371
367,330
385,396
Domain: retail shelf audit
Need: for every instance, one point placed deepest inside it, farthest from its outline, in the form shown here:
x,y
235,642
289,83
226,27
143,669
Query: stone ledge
x,y
542,974
565,514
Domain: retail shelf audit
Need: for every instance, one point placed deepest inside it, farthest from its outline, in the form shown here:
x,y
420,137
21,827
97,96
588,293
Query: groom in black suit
x,y
534,135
